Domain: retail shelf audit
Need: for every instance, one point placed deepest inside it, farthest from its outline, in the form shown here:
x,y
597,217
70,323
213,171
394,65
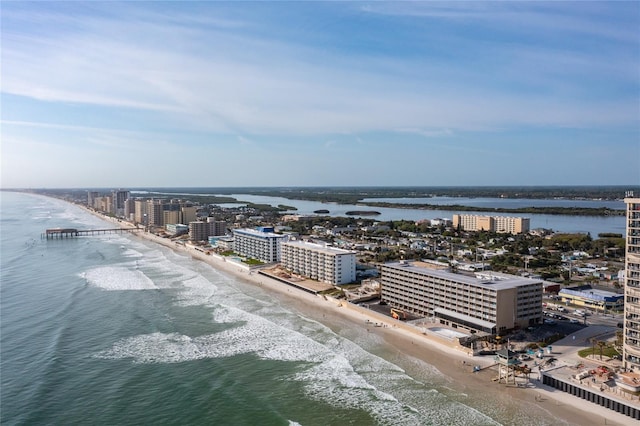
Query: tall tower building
x,y
631,344
118,198
189,214
129,208
91,198
140,215
155,213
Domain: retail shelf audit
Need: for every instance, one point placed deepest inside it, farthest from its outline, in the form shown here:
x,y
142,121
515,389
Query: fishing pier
x,y
56,233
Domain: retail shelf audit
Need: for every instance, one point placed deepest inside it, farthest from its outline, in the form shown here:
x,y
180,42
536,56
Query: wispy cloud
x,y
216,77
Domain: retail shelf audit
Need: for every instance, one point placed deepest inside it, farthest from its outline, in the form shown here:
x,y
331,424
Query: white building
x,y
319,262
261,243
176,228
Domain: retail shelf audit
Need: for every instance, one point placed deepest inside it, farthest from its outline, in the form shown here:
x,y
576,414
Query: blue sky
x,y
108,94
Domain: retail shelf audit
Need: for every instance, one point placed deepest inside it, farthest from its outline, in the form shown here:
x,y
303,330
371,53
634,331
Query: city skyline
x,y
106,94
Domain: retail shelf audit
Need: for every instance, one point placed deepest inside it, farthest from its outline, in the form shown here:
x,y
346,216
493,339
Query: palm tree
x,y
601,345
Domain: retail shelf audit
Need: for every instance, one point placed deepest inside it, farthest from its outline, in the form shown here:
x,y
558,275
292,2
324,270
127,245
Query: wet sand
x,y
561,408
556,407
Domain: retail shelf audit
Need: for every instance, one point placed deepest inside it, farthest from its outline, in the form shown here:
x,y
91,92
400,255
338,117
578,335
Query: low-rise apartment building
x,y
499,224
488,302
261,243
326,264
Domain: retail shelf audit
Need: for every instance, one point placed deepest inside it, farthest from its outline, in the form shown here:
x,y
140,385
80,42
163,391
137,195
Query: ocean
x,y
115,330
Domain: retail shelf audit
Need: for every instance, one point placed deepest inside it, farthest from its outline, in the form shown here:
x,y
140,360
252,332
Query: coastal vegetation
x,y
351,195
599,348
569,211
359,195
362,213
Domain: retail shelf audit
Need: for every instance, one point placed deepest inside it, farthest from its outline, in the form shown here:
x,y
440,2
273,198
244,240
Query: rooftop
x,y
319,247
487,279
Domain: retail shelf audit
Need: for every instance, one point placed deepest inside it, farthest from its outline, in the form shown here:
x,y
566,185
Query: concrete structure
x,y
129,209
487,302
103,204
118,198
221,242
201,231
91,197
326,264
261,243
189,214
140,212
592,298
155,213
171,216
499,224
631,344
176,228
565,380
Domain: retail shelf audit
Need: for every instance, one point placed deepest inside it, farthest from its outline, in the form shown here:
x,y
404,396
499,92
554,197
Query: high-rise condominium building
x,y
118,198
487,302
500,224
326,264
140,214
189,214
631,344
155,213
261,243
129,208
91,197
201,231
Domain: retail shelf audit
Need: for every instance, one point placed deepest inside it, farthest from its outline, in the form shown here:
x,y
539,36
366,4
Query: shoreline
x,y
452,363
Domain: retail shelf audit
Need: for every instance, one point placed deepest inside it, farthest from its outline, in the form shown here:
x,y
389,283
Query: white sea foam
x,y
113,278
335,370
127,252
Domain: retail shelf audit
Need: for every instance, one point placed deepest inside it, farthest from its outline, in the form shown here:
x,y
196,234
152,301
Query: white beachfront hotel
x,y
488,302
319,262
260,243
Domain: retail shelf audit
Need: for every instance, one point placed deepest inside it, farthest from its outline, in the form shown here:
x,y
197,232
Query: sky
x,y
327,93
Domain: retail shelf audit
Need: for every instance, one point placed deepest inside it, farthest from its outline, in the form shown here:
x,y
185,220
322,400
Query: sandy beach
x,y
455,364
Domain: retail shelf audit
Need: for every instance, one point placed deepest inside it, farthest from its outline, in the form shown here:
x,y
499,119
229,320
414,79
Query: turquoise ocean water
x,y
114,330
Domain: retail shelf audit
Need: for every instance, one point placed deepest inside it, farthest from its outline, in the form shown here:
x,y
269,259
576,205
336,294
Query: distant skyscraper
x,y
188,214
155,213
631,343
129,208
91,198
140,215
118,198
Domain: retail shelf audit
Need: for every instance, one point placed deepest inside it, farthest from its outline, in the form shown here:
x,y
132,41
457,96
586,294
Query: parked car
x,y
574,321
